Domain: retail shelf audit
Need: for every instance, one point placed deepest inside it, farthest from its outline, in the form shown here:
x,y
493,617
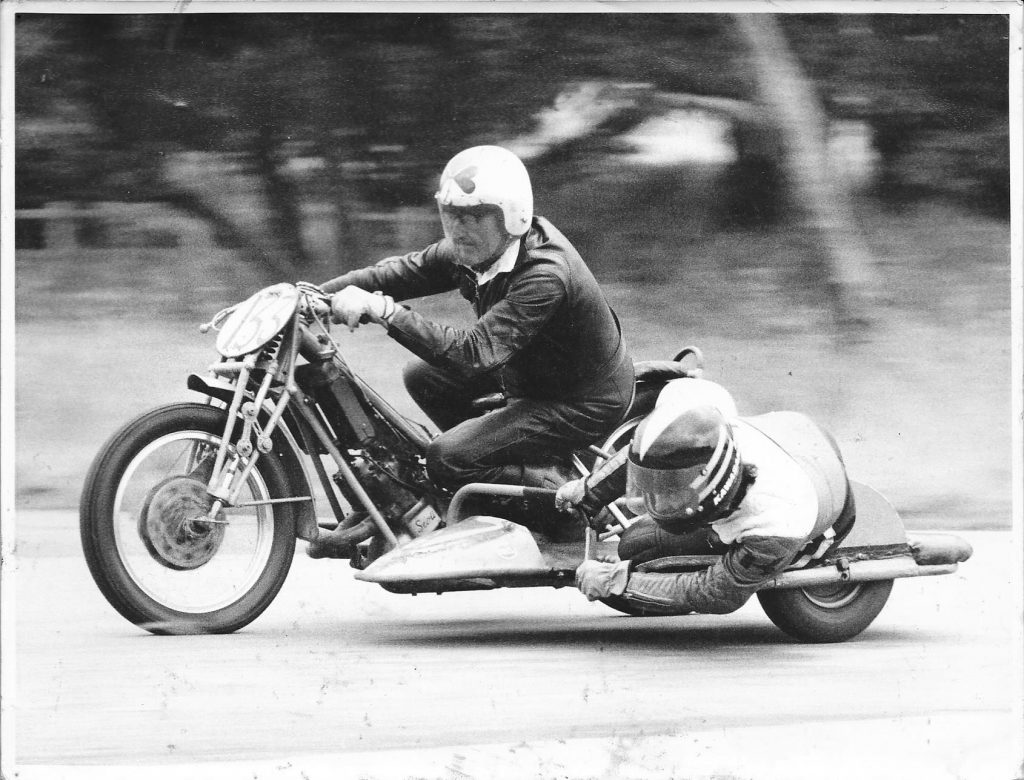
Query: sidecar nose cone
x,y
476,547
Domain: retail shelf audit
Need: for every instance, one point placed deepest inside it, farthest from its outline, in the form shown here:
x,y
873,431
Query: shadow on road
x,y
678,634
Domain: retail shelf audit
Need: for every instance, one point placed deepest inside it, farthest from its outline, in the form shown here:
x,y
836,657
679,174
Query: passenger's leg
x,y
645,540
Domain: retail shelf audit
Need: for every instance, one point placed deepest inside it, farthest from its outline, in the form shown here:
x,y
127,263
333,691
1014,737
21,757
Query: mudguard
x,y
878,524
286,448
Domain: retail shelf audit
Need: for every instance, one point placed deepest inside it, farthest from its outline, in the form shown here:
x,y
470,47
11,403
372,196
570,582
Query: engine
x,y
387,467
393,479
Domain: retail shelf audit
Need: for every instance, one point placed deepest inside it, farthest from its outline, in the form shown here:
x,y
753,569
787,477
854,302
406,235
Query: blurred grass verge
x,y
920,403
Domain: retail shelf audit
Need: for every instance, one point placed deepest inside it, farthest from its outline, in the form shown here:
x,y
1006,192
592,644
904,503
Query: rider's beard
x,y
476,257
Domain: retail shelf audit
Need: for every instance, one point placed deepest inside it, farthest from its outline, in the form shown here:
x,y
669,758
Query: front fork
x,y
227,479
229,476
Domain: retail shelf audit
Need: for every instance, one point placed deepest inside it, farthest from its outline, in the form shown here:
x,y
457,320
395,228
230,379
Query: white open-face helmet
x,y
489,175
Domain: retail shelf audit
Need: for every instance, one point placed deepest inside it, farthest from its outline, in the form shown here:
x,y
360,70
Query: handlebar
x,y
314,303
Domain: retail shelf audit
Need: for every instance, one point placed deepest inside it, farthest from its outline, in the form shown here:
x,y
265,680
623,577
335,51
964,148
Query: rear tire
x,y
237,577
826,613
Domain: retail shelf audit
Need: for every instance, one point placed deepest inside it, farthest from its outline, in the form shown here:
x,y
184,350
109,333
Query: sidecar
x,y
830,599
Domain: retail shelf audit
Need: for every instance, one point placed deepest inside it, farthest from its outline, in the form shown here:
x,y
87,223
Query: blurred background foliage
x,y
357,112
820,201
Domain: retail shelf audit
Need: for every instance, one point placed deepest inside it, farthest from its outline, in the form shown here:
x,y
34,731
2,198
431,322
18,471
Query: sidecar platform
x,y
482,553
477,553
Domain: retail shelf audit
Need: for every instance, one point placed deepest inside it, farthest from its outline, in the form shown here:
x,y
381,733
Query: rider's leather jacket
x,y
800,492
545,325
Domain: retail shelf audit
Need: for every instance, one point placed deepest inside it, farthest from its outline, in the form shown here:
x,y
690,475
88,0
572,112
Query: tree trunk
x,y
284,206
819,197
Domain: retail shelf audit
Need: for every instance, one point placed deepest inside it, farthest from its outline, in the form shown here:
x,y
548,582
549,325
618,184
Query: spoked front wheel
x,y
152,549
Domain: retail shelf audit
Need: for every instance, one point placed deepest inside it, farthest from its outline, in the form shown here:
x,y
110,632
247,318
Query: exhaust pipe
x,y
857,571
340,542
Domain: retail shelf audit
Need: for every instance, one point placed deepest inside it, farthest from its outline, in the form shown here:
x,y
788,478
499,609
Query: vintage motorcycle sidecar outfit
x,y
282,411
546,337
798,504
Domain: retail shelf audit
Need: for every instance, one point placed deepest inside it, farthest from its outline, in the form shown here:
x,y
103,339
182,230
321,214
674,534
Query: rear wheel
x,y
826,613
151,554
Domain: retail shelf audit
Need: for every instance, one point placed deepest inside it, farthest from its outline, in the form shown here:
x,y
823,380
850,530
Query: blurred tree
x,y
124,76
250,119
934,89
816,193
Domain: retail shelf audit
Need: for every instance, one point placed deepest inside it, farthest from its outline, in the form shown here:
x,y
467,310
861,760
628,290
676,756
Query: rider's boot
x,y
540,514
550,476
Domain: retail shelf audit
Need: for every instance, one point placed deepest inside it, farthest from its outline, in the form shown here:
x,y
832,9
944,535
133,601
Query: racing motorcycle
x,y
190,512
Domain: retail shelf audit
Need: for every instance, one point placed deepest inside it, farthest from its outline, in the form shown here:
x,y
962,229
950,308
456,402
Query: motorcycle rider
x,y
761,492
545,336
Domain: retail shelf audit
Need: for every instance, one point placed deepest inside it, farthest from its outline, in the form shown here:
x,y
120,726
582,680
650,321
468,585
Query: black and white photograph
x,y
511,390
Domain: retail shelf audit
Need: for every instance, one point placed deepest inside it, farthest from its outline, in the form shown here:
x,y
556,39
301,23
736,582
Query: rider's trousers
x,y
526,442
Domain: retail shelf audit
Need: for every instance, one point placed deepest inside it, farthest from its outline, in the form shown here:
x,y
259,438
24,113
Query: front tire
x,y
216,579
826,613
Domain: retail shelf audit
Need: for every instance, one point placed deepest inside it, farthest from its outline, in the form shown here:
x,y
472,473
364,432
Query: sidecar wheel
x,y
826,613
154,562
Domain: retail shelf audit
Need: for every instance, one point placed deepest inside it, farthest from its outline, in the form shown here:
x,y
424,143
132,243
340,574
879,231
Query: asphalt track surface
x,y
342,679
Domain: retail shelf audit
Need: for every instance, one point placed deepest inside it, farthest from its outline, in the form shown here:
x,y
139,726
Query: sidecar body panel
x,y
477,547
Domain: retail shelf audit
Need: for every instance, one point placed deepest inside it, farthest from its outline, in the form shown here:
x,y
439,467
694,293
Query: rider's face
x,y
477,233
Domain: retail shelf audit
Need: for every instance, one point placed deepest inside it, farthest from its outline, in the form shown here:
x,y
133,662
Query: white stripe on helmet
x,y
718,462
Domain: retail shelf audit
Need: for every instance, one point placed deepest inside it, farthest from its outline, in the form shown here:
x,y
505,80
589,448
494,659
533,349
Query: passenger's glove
x,y
570,495
352,304
599,580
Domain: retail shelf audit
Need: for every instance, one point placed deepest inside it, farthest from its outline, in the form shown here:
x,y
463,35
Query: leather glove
x,y
599,579
570,495
352,304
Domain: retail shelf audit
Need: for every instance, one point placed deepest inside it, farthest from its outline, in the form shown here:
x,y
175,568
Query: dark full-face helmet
x,y
684,465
